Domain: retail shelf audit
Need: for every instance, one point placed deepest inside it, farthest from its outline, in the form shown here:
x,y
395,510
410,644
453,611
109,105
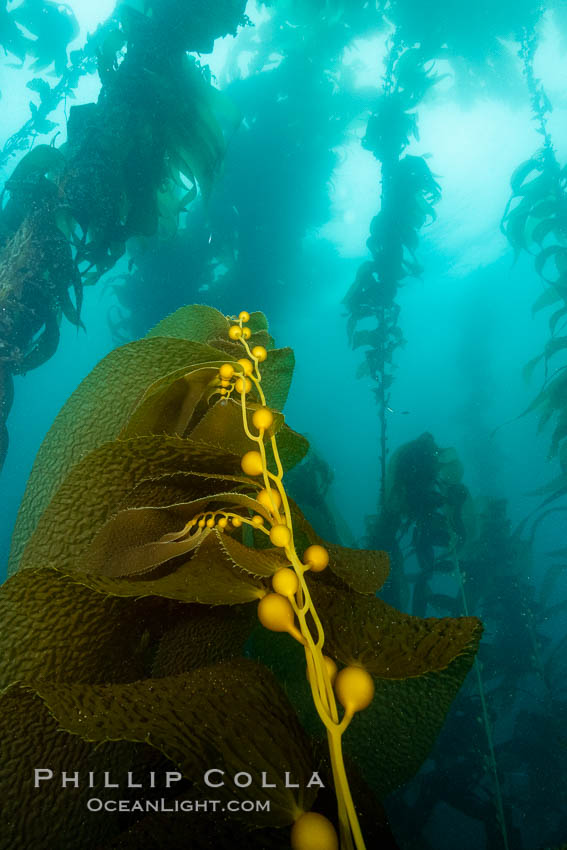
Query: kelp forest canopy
x,y
387,181
132,162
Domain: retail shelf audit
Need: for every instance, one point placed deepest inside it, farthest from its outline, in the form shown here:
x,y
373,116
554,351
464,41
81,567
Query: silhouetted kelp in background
x,y
522,677
535,221
271,194
418,504
408,194
135,156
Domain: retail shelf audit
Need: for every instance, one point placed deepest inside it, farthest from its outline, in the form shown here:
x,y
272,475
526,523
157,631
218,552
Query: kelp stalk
x,y
540,102
535,221
408,194
354,685
485,717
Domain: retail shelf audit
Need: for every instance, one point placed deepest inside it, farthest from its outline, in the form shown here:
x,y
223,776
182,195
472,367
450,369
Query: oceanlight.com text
x,y
95,804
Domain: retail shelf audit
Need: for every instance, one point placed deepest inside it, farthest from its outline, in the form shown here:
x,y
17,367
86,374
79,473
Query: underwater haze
x,y
387,183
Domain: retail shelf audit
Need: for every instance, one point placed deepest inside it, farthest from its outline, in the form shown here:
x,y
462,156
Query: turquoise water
x,y
283,229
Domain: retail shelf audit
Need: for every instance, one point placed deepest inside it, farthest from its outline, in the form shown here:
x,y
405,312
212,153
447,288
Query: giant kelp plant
x,y
424,510
535,221
156,531
513,710
297,101
150,626
408,194
130,160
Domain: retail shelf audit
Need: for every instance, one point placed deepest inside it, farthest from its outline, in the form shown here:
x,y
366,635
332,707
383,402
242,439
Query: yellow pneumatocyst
x,y
275,613
269,499
246,333
235,332
262,418
280,535
354,688
260,353
246,364
243,385
244,316
312,831
316,558
285,582
226,371
251,463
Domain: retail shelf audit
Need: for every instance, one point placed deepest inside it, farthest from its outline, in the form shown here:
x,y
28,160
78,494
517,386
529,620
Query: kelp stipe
x,y
426,501
535,221
353,685
485,717
408,195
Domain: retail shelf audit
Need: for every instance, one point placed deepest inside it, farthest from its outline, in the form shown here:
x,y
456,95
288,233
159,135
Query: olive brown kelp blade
x,y
108,397
155,534
95,413
234,715
418,666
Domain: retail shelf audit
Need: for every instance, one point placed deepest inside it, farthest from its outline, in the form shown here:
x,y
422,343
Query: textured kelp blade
x,y
52,626
94,414
411,713
391,738
204,636
138,540
292,448
258,325
277,373
364,570
237,350
222,426
169,404
258,562
98,484
177,403
132,542
181,487
418,666
233,715
195,322
205,324
207,578
42,818
276,370
257,322
386,642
